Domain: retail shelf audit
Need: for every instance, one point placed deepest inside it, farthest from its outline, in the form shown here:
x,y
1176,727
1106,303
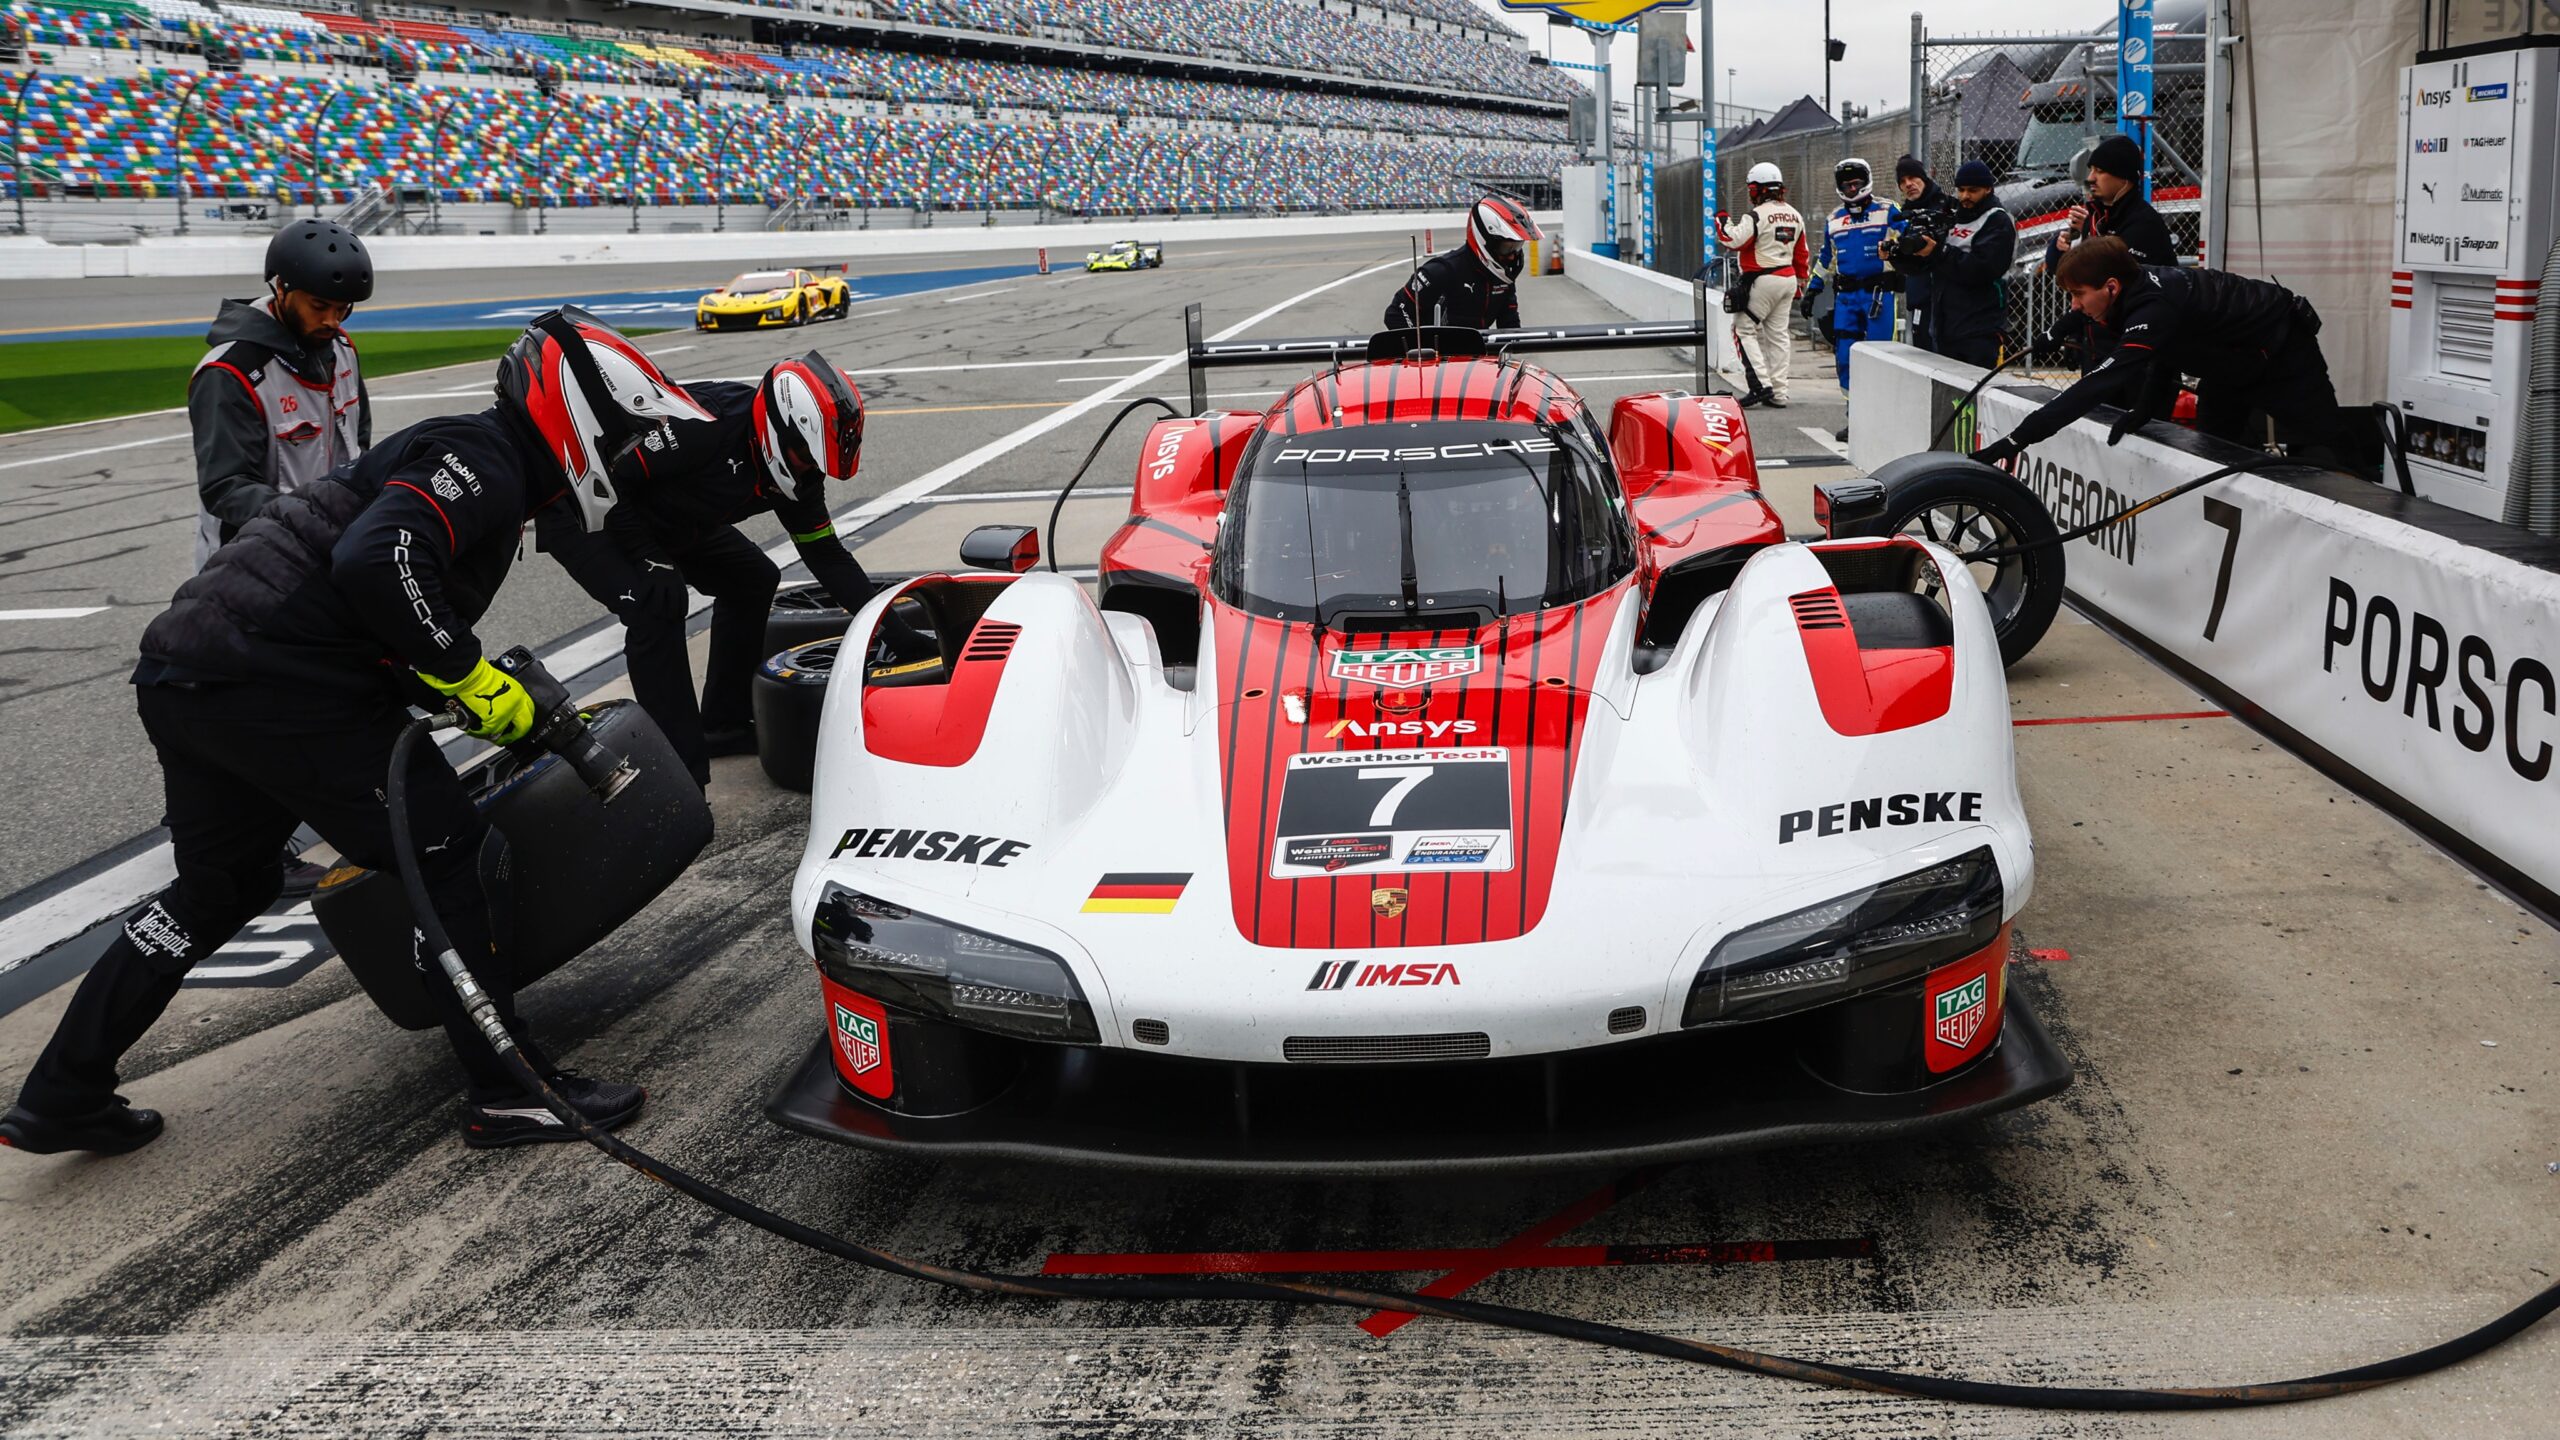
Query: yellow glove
x,y
500,710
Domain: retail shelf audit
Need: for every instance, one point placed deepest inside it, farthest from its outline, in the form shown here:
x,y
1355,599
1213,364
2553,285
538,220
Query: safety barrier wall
x,y
1641,294
2407,649
35,259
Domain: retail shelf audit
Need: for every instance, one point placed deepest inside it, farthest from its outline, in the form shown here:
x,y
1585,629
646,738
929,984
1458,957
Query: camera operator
x,y
1967,271
2115,207
1924,212
2252,346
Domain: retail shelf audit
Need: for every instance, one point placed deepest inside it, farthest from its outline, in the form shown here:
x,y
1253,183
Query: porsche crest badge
x,y
1387,902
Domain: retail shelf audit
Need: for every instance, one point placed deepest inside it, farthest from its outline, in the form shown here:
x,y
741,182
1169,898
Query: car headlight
x,y
1861,941
950,972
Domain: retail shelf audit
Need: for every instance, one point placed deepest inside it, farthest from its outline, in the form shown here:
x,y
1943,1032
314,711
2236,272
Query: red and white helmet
x,y
591,396
1499,231
808,425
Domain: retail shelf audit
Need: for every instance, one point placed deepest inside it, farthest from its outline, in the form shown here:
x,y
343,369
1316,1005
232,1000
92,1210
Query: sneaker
x,y
525,1120
730,740
111,1129
301,877
1775,402
1841,434
1753,397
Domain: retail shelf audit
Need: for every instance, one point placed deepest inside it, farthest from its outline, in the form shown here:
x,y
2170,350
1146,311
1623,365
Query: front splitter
x,y
1641,1103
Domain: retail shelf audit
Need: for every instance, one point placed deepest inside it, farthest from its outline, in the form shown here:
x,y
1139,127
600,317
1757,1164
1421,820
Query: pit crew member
x,y
1852,266
275,684
1477,285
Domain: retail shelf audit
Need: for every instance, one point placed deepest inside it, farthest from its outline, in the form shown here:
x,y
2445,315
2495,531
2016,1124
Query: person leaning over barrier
x,y
276,683
2253,346
1967,271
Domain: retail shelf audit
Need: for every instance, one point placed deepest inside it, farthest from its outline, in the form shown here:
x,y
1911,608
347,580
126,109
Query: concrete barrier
x,y
1642,294
2409,650
242,254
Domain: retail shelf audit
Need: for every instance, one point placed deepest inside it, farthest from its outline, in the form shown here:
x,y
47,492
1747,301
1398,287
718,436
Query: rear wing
x,y
1205,355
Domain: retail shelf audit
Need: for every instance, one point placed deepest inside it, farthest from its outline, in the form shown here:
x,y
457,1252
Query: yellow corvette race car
x,y
765,299
1125,255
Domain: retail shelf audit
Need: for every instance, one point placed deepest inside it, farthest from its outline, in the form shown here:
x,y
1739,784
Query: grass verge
x,y
57,382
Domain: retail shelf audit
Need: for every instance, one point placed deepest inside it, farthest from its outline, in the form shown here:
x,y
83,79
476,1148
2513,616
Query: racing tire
x,y
1966,506
562,870
805,613
790,697
799,318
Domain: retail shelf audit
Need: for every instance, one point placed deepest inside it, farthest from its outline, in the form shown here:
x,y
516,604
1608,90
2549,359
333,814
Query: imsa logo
x,y
1404,669
1960,1012
858,1036
1345,974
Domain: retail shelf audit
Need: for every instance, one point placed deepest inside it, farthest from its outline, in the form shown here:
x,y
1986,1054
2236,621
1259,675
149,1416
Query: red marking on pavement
x,y
2049,957
1364,1262
2127,719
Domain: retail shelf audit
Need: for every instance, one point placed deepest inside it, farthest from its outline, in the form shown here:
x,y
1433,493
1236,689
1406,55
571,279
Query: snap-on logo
x,y
1926,807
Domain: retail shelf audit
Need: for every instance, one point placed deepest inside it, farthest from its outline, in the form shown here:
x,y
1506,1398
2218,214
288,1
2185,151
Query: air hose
x,y
1507,1317
2251,466
1059,508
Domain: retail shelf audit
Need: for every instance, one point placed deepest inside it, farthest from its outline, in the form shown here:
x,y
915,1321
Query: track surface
x,y
2290,1147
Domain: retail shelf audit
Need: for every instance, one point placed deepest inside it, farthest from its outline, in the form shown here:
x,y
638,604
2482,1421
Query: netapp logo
x,y
2075,500
2406,654
1928,807
950,846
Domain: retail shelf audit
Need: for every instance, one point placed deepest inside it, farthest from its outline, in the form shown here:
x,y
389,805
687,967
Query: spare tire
x,y
790,695
1968,506
563,869
804,614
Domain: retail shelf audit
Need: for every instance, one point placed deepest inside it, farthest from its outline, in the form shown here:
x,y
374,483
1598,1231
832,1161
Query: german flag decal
x,y
1136,894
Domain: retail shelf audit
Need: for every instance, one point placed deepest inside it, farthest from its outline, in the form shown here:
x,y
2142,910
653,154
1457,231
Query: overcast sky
x,y
1775,46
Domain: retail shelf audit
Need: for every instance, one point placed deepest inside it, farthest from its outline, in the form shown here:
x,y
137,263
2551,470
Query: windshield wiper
x,y
1404,525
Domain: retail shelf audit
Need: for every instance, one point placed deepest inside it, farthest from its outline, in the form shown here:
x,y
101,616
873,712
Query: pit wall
x,y
1642,294
2407,649
36,259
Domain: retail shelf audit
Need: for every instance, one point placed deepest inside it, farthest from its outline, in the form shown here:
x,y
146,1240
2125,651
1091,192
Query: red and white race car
x,y
1447,776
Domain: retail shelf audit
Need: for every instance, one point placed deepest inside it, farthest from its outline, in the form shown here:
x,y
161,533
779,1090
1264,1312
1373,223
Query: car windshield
x,y
1381,526
761,280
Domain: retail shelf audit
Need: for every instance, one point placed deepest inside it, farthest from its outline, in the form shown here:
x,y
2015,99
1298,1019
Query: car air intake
x,y
1626,1019
1150,1032
1385,1049
992,640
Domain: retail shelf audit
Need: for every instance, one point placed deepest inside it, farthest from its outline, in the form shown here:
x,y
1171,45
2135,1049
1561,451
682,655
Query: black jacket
x,y
1454,288
1965,274
387,563
231,435
2131,220
690,478
2219,327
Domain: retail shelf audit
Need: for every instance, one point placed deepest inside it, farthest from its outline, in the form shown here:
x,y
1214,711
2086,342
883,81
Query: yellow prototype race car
x,y
1125,255
765,299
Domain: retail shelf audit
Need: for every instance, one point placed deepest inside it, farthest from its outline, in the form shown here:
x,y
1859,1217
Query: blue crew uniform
x,y
1861,306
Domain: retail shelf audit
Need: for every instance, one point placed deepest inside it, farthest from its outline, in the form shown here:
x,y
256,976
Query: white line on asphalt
x,y
873,314
1823,438
981,295
92,450
73,613
972,496
672,350
58,918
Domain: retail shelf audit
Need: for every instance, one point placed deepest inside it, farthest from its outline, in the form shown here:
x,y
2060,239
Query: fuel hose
x,y
1506,1317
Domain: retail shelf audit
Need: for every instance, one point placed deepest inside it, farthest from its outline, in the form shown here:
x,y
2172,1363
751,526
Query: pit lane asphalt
x,y
2289,1148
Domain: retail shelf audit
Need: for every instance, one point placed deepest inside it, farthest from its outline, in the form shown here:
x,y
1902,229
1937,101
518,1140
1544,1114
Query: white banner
x,y
2413,665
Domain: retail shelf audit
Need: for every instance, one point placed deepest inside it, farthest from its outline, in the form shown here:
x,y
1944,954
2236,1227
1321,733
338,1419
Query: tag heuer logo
x,y
859,1037
1961,1011
1386,902
445,485
1407,668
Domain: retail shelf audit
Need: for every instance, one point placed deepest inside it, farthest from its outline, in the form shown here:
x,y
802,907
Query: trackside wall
x,y
2409,650
1642,294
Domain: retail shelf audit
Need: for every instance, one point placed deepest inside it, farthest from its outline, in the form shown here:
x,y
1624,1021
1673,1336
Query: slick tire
x,y
1967,506
562,870
805,613
790,695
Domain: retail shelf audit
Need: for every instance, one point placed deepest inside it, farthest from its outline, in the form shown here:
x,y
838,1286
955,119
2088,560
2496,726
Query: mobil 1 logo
x,y
1375,810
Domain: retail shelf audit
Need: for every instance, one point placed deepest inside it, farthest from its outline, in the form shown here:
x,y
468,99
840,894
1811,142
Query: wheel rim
x,y
1963,527
802,599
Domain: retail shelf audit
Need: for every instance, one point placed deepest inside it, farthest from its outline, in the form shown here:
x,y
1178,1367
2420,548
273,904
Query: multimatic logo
x,y
1348,974
950,846
2475,192
2405,658
1927,807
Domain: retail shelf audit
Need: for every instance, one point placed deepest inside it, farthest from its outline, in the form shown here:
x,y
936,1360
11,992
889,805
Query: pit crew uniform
x,y
1769,241
1455,288
695,483
1853,267
269,414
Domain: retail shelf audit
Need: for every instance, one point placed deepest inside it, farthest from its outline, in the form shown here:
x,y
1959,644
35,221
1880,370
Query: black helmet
x,y
324,258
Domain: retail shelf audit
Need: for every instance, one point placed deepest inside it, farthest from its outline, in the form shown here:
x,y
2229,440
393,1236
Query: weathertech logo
x,y
1345,974
1406,668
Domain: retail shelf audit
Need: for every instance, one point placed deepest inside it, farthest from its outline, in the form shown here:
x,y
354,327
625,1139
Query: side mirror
x,y
1017,547
1841,507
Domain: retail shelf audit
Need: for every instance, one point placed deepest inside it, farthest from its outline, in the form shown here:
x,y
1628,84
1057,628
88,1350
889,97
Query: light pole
x,y
720,174
311,152
541,180
18,157
178,148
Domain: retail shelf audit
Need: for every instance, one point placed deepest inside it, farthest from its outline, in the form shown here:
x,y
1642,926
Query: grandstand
x,y
182,100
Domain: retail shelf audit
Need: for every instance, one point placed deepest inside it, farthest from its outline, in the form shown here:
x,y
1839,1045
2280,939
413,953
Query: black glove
x,y
2131,420
1998,453
2062,339
658,590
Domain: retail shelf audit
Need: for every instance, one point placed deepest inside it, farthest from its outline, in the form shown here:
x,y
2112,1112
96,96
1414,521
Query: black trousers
x,y
1982,350
740,580
2294,390
239,764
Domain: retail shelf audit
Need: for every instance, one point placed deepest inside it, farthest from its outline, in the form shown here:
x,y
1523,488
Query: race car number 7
x,y
1404,778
